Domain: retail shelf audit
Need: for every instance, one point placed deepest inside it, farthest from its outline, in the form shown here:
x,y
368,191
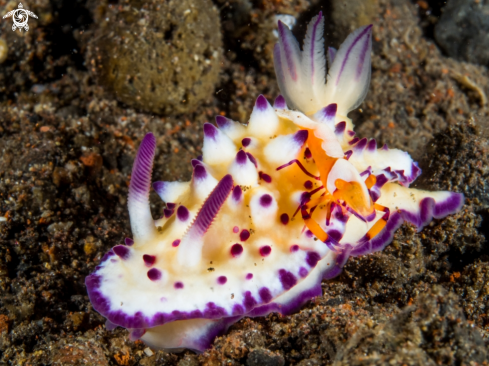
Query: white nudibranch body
x,y
272,209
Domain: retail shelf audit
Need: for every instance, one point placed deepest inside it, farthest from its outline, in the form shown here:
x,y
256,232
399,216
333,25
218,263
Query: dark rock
x,y
463,31
263,357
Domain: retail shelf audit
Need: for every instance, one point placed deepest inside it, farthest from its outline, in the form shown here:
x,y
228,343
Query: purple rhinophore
x,y
284,219
149,260
212,205
121,251
252,159
199,172
261,103
237,193
279,102
312,55
222,280
266,200
178,285
329,112
182,213
265,177
308,184
307,153
265,295
309,233
235,229
176,243
367,31
303,272
312,258
129,242
265,250
170,205
340,128
154,274
287,279
249,276
348,154
246,142
244,235
301,137
210,131
236,250
372,145
294,248
223,122
141,170
195,162
360,145
167,213
241,157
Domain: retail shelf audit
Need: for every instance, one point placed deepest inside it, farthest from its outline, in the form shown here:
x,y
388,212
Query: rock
x,y
159,56
262,357
463,31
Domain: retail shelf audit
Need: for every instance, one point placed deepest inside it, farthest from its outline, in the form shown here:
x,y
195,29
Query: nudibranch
x,y
272,209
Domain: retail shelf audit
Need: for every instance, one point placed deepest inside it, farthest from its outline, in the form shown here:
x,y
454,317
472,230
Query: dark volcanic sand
x,y
66,155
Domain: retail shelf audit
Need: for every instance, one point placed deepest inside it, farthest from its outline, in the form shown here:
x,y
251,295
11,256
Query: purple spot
x,y
252,159
122,251
175,243
154,274
210,131
265,177
309,233
128,241
237,310
294,248
261,103
303,272
287,279
307,153
329,111
167,213
265,295
237,192
249,276
241,157
246,141
340,128
266,200
182,213
222,122
222,280
170,205
312,258
178,285
236,250
335,235
265,250
284,219
301,136
249,301
149,260
244,235
308,184
279,102
235,229
199,172
372,145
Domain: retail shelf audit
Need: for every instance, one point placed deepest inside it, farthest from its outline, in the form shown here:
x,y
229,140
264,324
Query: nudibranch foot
x,y
231,242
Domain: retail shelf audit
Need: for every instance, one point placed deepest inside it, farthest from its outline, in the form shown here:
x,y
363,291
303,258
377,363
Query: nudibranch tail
x,y
142,224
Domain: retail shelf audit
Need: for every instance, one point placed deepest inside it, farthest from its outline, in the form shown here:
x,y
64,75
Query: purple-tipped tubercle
x,y
182,213
154,274
121,251
236,250
266,200
241,157
329,112
210,131
237,193
149,260
223,122
129,242
301,137
261,103
279,103
199,172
